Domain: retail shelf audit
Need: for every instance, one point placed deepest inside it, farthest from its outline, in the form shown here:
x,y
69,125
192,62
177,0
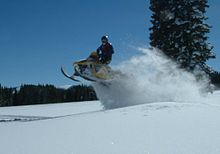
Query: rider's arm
x,y
112,49
99,51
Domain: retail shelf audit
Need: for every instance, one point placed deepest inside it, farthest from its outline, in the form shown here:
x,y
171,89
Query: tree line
x,y
43,94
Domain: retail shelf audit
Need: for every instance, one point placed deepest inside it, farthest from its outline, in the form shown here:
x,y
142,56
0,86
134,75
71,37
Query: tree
x,y
1,94
215,79
179,30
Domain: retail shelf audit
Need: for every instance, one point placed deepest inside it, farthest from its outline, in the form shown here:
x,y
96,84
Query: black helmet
x,y
104,38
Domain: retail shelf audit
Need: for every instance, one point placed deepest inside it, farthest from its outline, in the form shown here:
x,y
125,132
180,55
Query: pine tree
x,y
215,79
15,97
1,93
179,30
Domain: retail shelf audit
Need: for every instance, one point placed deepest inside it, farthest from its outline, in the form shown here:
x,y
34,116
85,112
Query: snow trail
x,y
149,77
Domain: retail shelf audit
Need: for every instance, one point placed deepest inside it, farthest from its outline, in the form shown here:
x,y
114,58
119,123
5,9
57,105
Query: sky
x,y
38,37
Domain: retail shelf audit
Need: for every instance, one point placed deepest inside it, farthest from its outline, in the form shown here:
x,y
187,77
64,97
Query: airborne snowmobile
x,y
91,70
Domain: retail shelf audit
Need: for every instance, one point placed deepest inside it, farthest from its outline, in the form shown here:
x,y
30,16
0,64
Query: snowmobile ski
x,y
64,72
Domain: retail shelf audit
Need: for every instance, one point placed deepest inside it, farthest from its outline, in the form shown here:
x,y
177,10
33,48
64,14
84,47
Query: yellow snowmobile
x,y
90,69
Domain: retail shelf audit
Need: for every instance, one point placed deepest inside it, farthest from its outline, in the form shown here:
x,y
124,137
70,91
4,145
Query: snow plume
x,y
148,78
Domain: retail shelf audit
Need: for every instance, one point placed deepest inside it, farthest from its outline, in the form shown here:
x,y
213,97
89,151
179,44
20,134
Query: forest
x,y
44,94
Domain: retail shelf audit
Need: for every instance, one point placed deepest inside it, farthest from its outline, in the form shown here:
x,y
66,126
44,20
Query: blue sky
x,y
38,36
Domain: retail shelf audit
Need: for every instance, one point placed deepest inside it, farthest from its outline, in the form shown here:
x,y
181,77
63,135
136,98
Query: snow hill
x,y
82,128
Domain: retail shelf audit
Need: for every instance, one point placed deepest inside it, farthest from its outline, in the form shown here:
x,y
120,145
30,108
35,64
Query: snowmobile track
x,y
21,118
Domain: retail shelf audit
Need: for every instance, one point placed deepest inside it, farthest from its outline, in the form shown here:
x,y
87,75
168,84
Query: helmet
x,y
104,38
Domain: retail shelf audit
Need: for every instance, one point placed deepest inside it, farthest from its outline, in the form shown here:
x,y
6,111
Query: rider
x,y
105,51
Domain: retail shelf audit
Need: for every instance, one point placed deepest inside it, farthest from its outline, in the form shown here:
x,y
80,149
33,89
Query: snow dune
x,y
155,128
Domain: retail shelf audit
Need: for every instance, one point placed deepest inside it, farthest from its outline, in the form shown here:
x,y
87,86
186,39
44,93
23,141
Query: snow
x,y
150,77
153,108
164,127
52,110
179,21
65,86
167,15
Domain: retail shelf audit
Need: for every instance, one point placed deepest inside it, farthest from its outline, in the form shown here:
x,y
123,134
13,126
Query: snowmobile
x,y
91,70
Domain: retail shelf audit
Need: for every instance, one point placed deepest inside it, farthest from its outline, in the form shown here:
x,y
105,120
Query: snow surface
x,y
152,108
155,128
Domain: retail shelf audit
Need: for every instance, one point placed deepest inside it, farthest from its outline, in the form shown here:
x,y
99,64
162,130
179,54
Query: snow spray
x,y
149,78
